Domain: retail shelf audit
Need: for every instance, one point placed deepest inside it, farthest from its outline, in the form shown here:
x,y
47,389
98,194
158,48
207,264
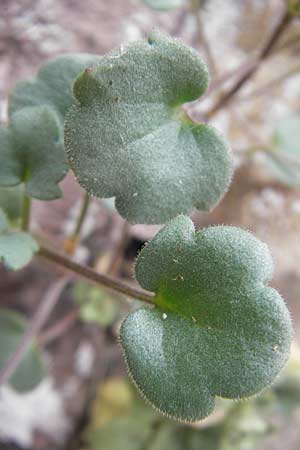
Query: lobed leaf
x,y
53,85
218,330
128,137
32,152
31,370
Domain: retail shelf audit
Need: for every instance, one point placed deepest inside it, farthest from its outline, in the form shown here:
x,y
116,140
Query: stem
x,y
33,328
92,275
82,215
271,84
263,54
25,219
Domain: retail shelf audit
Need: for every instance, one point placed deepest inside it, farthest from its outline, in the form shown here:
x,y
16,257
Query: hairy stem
x,y
26,210
92,275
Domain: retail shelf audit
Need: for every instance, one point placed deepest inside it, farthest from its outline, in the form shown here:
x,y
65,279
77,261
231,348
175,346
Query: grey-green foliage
x,y
218,330
284,158
31,152
53,84
16,247
128,137
164,5
31,370
31,146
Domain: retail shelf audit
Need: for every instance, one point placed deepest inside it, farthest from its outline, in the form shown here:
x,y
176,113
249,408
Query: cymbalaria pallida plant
x,y
213,327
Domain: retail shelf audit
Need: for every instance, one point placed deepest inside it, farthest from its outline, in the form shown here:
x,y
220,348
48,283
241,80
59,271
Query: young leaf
x,y
218,330
128,136
284,159
32,152
31,370
53,84
16,248
164,5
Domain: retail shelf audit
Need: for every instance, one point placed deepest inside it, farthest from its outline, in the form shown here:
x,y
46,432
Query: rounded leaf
x,y
127,137
218,330
32,152
16,248
53,84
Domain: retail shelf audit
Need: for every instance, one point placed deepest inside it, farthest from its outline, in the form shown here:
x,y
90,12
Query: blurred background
x,y
85,401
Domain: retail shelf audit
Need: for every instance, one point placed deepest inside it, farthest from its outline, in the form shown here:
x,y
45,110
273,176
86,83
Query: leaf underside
x,y
218,330
127,137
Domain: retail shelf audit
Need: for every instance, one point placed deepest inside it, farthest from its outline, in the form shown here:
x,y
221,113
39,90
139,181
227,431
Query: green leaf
x,y
16,248
164,5
284,159
95,305
32,152
11,202
31,370
129,137
53,84
218,330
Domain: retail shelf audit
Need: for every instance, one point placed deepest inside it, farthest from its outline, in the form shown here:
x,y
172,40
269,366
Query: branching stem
x,y
263,54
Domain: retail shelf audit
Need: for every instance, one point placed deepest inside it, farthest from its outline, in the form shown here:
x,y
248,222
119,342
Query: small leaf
x,y
16,247
53,84
164,5
284,159
218,330
31,370
32,152
128,137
